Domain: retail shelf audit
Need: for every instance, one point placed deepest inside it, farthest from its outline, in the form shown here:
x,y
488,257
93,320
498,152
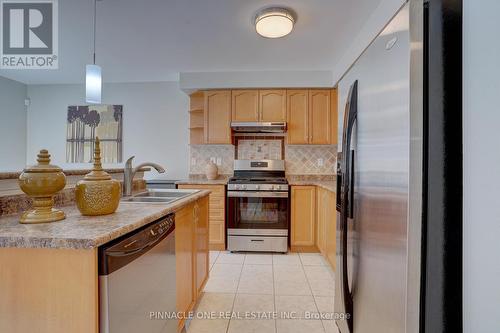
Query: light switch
x,y
219,161
320,162
213,159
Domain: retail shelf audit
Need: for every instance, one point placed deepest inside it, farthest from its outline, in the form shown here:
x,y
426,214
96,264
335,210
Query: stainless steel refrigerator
x,y
395,268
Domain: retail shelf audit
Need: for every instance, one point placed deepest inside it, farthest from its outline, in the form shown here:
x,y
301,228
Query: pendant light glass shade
x,y
274,22
93,84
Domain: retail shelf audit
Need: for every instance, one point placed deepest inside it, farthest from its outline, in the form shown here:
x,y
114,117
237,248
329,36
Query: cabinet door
x,y
320,117
321,213
245,105
303,215
298,119
331,228
217,214
184,230
272,105
218,117
201,219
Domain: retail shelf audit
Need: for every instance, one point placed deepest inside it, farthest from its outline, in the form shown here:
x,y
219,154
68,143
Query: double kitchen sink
x,y
159,196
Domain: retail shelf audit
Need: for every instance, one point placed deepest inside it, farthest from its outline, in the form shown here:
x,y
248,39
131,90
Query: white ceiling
x,y
155,40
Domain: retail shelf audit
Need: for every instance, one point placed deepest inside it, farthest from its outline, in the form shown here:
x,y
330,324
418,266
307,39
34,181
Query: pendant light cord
x,y
95,23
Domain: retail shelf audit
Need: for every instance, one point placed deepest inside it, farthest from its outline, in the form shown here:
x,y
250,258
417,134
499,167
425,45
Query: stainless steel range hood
x,y
259,127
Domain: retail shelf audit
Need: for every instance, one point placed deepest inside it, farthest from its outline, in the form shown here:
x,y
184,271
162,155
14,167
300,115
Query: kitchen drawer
x,y
217,202
216,232
216,214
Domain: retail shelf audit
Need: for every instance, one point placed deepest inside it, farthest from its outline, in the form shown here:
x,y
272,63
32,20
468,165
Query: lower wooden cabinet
x,y
191,248
326,228
217,217
313,221
201,244
184,232
303,217
331,228
321,209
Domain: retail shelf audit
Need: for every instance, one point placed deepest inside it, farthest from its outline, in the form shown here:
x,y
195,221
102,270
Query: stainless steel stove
x,y
258,207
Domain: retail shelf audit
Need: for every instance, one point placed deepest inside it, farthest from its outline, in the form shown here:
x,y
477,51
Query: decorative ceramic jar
x,y
41,182
97,193
211,171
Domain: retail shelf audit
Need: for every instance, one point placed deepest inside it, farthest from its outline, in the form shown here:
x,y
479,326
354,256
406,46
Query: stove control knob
x,y
257,187
243,187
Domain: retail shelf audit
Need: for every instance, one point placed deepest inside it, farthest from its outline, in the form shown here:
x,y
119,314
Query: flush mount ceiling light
x,y
274,22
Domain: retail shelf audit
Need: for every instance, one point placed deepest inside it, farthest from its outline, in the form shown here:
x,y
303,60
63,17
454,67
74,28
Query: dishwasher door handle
x,y
132,251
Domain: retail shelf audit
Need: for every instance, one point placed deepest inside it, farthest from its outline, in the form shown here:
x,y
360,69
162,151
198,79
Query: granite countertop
x,y
70,172
327,182
85,232
327,185
202,180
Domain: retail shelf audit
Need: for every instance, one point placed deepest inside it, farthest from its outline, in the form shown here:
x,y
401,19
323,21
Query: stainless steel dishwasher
x,y
137,280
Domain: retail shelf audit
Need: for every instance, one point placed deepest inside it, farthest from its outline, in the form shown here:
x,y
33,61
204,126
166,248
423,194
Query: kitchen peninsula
x,y
49,272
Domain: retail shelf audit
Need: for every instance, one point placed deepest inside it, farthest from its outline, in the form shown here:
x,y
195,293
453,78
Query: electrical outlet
x,y
213,160
219,161
320,162
193,161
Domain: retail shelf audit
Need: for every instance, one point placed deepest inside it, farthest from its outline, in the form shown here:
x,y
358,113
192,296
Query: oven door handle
x,y
252,194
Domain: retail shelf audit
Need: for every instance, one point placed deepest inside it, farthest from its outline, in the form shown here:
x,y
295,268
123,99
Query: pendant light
x,y
93,74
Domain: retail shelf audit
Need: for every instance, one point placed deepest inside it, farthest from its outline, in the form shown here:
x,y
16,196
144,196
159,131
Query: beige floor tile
x,y
208,326
220,284
299,326
230,258
286,259
295,306
252,326
226,270
244,303
256,279
258,259
212,257
324,304
318,273
216,302
330,326
290,280
312,259
292,286
322,287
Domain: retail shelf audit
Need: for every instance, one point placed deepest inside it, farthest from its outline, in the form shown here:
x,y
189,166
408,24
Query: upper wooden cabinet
x,y
245,105
312,116
272,105
320,117
298,116
218,117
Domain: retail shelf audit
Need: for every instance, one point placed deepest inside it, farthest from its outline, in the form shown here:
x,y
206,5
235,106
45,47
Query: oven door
x,y
257,210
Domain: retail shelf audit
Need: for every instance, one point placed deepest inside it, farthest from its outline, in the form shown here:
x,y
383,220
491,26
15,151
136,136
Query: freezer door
x,y
375,238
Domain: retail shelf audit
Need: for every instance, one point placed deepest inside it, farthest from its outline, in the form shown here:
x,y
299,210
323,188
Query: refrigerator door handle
x,y
347,198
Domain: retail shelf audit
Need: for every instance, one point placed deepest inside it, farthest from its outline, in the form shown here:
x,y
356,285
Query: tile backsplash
x,y
310,160
200,155
300,160
259,150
